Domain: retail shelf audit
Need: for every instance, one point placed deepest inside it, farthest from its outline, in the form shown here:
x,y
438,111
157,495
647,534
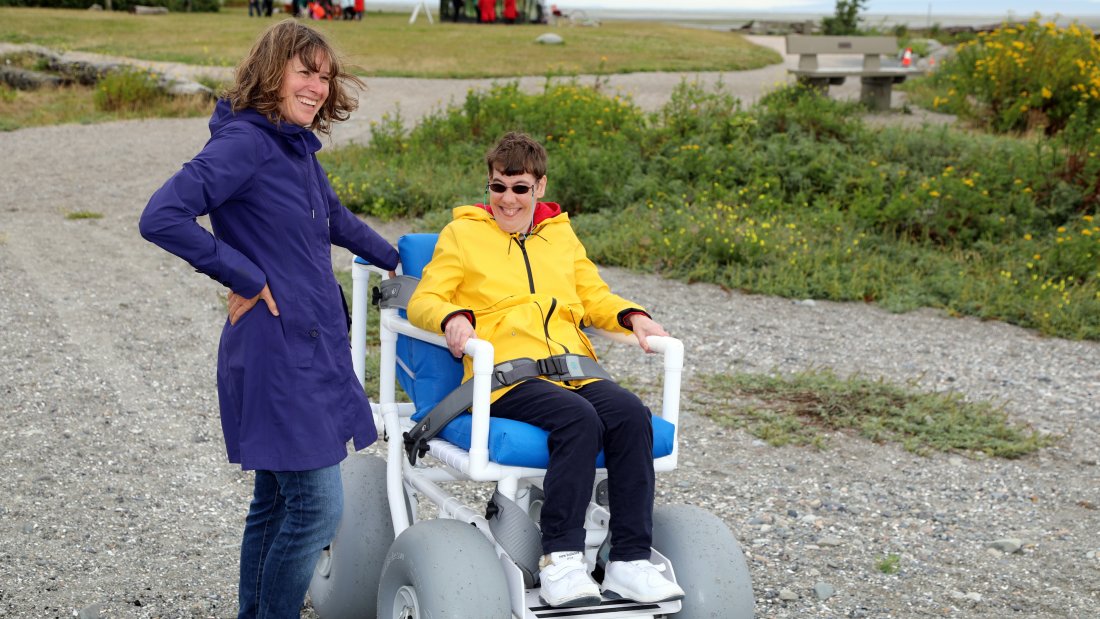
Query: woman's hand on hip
x,y
458,331
239,306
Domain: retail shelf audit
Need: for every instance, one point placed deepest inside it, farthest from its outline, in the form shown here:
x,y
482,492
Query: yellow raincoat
x,y
528,297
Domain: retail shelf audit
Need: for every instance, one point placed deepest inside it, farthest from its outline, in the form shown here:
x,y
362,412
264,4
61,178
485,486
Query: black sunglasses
x,y
519,190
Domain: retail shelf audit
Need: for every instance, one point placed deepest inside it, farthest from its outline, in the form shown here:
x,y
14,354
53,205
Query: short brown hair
x,y
517,153
260,75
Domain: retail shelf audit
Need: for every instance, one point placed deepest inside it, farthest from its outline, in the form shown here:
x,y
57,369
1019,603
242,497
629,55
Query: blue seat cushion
x,y
515,443
428,373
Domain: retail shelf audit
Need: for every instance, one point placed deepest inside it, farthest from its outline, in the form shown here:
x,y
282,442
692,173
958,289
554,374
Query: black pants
x,y
600,415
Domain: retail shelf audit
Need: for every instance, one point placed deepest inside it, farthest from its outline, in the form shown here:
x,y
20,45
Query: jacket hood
x,y
302,140
543,211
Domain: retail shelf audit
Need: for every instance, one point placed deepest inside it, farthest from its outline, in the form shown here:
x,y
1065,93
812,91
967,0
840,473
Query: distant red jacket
x,y
510,9
488,10
360,5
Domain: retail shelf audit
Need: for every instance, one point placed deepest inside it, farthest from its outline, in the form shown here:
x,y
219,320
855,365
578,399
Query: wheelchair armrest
x,y
673,351
481,352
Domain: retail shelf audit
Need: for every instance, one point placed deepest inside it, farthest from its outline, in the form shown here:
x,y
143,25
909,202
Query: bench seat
x,y
876,80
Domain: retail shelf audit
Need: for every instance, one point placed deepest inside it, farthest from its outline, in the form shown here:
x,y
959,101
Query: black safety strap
x,y
558,368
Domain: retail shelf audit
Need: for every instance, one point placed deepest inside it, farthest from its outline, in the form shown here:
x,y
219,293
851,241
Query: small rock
x,y
787,595
804,303
90,611
829,540
1007,545
550,39
824,591
186,88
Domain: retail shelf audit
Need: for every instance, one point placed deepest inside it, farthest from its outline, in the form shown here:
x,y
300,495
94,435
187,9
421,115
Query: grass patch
x,y
76,104
83,215
385,44
804,408
890,564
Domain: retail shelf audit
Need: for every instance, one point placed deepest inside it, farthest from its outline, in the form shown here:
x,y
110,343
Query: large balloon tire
x,y
442,569
708,563
345,583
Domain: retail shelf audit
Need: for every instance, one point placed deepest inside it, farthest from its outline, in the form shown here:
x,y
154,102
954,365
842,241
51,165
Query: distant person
x,y
487,11
253,5
510,11
360,6
268,6
288,395
348,7
456,9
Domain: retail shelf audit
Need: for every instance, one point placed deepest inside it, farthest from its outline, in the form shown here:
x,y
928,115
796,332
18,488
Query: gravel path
x,y
116,500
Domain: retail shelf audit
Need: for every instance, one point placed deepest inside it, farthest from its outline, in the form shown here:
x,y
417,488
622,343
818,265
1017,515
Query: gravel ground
x,y
116,500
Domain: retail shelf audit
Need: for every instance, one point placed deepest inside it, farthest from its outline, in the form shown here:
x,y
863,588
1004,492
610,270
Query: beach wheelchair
x,y
479,562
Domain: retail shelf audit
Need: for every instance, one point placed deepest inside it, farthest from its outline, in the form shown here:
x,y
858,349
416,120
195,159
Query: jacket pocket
x,y
303,331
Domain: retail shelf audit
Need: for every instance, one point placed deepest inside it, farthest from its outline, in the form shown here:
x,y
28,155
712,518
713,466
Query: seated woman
x,y
514,273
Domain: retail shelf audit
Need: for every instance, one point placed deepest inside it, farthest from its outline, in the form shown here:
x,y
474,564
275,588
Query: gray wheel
x,y
345,583
708,562
442,569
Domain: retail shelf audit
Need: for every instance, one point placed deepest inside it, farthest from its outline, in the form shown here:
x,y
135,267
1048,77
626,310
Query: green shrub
x,y
127,90
793,196
1022,78
846,18
176,6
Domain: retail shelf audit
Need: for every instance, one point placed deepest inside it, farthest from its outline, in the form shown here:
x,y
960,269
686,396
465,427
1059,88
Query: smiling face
x,y
304,91
513,211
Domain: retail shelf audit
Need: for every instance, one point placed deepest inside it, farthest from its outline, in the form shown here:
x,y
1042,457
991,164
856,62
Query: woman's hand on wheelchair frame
x,y
643,327
458,331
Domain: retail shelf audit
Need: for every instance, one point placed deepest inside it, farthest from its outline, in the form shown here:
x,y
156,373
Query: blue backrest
x,y
425,371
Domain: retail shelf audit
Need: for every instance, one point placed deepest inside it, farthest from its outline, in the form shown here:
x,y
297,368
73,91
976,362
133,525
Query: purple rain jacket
x,y
288,395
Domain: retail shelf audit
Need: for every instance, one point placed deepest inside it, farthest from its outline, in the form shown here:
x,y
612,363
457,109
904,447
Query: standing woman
x,y
288,395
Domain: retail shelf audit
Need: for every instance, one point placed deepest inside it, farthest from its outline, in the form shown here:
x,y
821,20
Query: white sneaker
x,y
640,581
565,581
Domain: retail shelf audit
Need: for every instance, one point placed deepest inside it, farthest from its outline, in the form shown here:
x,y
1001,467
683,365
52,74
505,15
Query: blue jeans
x,y
293,516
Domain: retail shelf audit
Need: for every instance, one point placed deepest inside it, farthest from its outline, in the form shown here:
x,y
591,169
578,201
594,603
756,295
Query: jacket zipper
x,y
527,263
553,301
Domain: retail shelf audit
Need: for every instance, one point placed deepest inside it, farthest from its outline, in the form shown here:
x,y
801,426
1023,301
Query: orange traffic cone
x,y
907,58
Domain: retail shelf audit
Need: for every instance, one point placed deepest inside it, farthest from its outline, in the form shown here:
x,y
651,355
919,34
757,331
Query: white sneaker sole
x,y
614,595
584,600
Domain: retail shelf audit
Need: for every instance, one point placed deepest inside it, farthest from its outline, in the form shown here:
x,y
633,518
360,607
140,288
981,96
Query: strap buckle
x,y
415,447
552,366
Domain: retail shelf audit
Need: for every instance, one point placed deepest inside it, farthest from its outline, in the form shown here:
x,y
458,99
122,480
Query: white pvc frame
x,y
393,419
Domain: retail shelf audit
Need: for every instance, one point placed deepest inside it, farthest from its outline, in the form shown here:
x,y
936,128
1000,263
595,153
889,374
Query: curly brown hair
x,y
260,75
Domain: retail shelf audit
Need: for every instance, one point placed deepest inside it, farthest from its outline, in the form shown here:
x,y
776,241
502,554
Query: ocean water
x,y
725,20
